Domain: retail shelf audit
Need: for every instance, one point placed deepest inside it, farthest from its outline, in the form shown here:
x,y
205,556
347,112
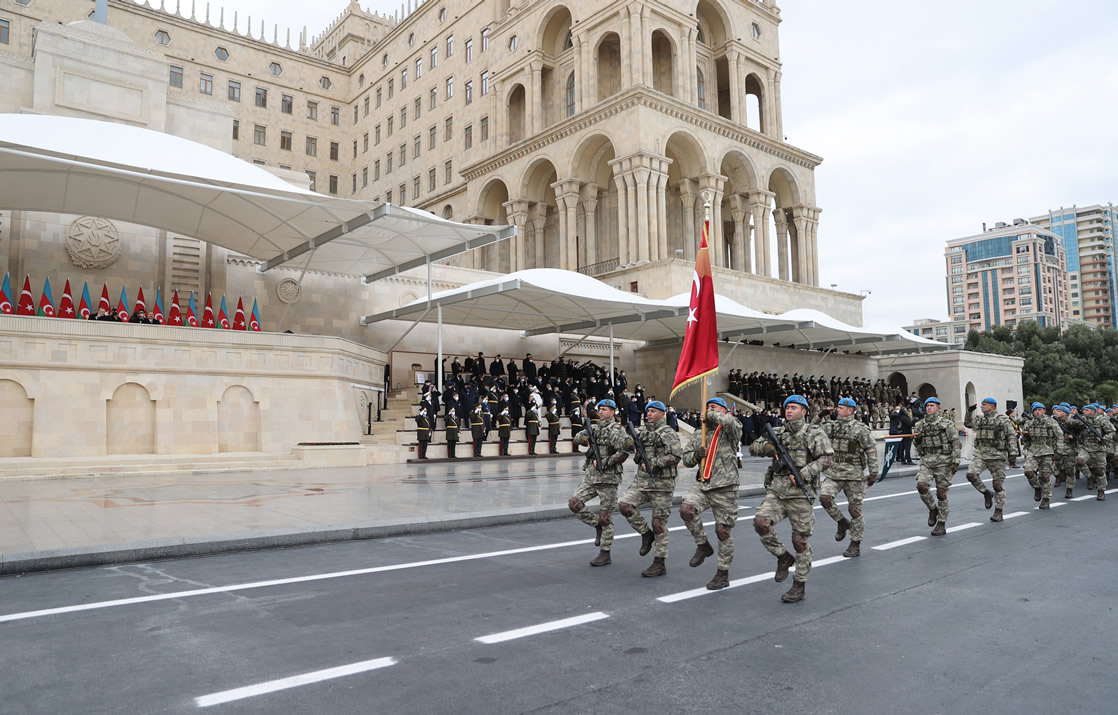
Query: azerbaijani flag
x,y
6,296
223,315
66,305
46,301
122,305
254,322
85,308
191,312
157,308
26,300
699,356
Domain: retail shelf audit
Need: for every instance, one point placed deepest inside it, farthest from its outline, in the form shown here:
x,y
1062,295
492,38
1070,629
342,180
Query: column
x,y
715,183
633,237
688,194
759,204
687,65
539,221
567,191
738,211
813,244
536,124
590,222
622,211
800,221
645,44
662,207
626,49
778,115
794,251
781,220
736,104
580,76
770,107
640,176
517,211
499,116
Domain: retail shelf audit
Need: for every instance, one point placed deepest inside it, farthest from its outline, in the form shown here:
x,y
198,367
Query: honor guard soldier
x,y
1042,437
1067,451
602,478
477,430
995,439
811,452
504,430
1095,447
576,427
532,428
451,434
422,432
855,454
937,443
552,429
663,452
717,488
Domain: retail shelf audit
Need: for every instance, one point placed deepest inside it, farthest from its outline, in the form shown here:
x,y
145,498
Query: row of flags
x,y
84,309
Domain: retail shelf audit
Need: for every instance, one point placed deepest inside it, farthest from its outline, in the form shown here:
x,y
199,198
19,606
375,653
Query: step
x,y
404,437
163,469
490,449
440,423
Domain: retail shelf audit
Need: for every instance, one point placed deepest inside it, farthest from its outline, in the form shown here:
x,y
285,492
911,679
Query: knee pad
x,y
923,488
998,486
972,478
722,531
1030,475
659,526
800,543
761,524
575,504
1097,471
855,511
605,518
941,494
687,512
626,509
826,501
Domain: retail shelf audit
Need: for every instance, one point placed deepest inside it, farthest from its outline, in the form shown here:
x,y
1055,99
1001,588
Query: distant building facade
x,y
1087,234
951,332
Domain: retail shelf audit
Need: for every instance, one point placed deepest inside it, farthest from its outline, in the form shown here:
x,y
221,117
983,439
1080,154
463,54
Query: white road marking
x,y
1015,514
542,628
295,681
901,542
695,592
1056,503
1084,498
961,527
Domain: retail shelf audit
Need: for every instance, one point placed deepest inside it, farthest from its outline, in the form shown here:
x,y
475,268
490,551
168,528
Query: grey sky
x,y
931,117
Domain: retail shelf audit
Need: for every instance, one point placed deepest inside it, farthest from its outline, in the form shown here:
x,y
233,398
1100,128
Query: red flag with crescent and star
x,y
175,316
699,357
26,305
66,305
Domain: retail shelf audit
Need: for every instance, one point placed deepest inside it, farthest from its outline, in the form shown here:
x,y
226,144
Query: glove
x,y
872,479
970,408
617,458
1012,462
954,468
701,452
768,450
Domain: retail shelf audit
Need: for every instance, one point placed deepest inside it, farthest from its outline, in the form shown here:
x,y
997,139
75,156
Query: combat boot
x,y
1036,493
656,569
702,551
1101,496
646,542
988,495
721,580
933,516
997,515
940,530
598,535
843,527
1043,504
1060,480
1090,483
1069,492
783,563
602,559
855,549
796,593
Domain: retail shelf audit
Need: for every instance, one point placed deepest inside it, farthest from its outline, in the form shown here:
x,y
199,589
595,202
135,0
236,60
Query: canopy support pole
x,y
428,281
825,354
439,359
299,284
611,358
410,328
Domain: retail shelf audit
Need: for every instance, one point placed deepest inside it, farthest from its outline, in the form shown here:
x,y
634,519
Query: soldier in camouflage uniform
x,y
1094,447
717,488
854,454
1042,440
601,480
1067,451
994,441
663,450
812,453
937,443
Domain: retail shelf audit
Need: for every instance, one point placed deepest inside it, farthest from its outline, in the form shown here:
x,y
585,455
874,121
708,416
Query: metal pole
x,y
611,380
439,359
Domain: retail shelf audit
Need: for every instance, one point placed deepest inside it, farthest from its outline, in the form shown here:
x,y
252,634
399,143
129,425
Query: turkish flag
x,y
140,304
175,316
699,356
208,314
239,317
26,300
105,304
66,305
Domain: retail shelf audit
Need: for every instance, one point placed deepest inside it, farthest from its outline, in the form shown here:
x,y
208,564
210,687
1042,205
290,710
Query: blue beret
x,y
1037,405
989,401
655,405
717,401
795,400
847,402
608,403
932,400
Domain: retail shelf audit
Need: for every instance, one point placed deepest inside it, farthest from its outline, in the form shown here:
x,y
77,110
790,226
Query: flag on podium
x,y
191,312
254,323
122,305
141,304
208,313
223,315
105,300
239,318
26,304
46,301
699,356
6,306
175,316
66,304
157,307
85,308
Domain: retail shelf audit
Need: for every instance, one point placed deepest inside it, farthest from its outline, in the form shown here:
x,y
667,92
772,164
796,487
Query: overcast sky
x,y
931,117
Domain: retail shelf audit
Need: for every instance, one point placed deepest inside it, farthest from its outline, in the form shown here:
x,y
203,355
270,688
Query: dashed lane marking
x,y
295,681
542,628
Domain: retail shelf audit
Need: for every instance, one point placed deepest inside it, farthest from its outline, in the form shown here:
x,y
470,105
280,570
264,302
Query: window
x,y
418,106
956,259
449,45
956,279
261,97
404,78
161,37
378,97
335,116
403,154
259,135
286,103
755,30
384,60
403,193
403,117
314,180
485,83
571,95
312,146
431,180
514,43
700,87
354,183
434,57
468,88
442,14
469,136
355,114
388,163
376,170
447,172
333,184
365,144
485,40
483,129
275,69
954,270
391,88
434,97
366,110
958,300
236,130
449,132
411,39
354,148
390,126
376,135
176,77
469,50
957,290
448,212
206,84
234,91
418,67
431,138
415,187
416,144
221,53
449,87
285,141
388,196
364,177
312,111
333,151
324,82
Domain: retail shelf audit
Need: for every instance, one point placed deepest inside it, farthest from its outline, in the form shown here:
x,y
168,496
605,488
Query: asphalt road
x,y
1011,617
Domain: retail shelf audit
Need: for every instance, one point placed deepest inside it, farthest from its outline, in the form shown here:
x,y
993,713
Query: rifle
x,y
638,447
786,460
593,442
1087,424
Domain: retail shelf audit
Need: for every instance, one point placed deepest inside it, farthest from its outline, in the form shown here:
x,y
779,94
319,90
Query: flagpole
x,y
707,197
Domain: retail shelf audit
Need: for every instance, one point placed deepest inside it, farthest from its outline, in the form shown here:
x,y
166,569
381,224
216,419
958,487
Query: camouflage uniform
x,y
1067,454
854,454
1095,450
937,443
662,447
1042,438
994,435
720,493
811,451
613,445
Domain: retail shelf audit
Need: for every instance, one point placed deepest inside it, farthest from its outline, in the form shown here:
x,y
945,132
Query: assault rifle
x,y
638,448
1067,432
593,442
1087,424
786,460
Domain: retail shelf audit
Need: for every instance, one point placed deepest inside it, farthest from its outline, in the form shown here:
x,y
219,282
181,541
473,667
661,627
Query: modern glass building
x,y
1088,239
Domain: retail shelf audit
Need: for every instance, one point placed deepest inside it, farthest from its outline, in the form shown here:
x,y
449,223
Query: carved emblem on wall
x,y
93,242
288,290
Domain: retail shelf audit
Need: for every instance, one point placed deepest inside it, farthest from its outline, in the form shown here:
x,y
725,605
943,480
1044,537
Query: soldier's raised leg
x,y
855,490
629,507
769,514
591,517
925,476
694,504
832,488
974,472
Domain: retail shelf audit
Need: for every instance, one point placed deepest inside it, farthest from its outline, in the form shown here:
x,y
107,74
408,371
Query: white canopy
x,y
547,300
127,173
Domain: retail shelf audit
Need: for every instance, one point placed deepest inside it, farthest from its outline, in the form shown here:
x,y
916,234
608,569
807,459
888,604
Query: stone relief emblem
x,y
288,290
93,242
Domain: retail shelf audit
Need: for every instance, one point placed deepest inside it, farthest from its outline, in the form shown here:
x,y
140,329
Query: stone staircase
x,y
384,447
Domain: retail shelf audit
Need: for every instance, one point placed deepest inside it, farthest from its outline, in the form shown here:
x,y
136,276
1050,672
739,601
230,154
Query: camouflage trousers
x,y
1064,465
935,468
661,502
1096,462
603,516
855,491
801,515
996,467
723,504
1038,470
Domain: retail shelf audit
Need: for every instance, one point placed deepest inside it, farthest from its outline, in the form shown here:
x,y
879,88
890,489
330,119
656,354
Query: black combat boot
x,y
1101,496
646,542
721,580
796,593
1036,493
988,495
843,527
933,516
701,553
855,549
598,535
602,559
1069,492
656,569
783,563
940,530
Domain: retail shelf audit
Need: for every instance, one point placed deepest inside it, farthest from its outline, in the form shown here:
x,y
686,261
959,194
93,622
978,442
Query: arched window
x,y
699,37
569,42
571,95
701,88
448,212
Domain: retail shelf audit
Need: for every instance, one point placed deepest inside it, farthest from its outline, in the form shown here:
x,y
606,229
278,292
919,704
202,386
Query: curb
x,y
160,549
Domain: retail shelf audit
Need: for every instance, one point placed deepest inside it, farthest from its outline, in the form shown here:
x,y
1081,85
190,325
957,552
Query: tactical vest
x,y
847,446
936,436
986,433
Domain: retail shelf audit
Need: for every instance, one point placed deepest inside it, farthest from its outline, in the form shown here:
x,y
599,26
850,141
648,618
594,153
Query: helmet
x,y
655,405
795,400
717,401
847,402
1037,406
989,401
608,403
931,400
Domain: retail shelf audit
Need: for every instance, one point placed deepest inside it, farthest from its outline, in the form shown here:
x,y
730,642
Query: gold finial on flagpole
x,y
708,199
